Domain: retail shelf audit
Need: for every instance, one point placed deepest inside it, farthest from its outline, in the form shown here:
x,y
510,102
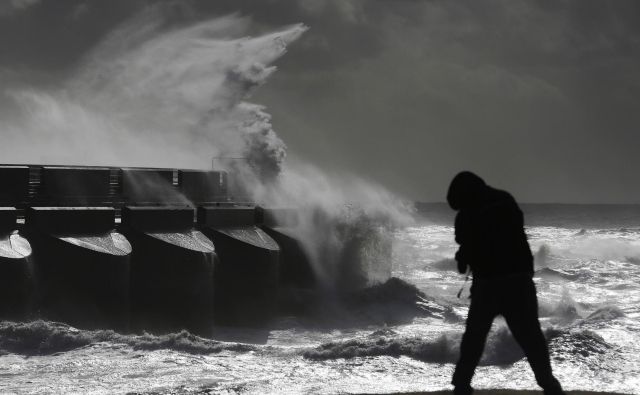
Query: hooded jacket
x,y
489,228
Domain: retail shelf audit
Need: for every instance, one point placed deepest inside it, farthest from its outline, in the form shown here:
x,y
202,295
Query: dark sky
x,y
539,97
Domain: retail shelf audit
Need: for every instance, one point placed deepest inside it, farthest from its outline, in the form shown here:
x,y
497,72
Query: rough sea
x,y
399,336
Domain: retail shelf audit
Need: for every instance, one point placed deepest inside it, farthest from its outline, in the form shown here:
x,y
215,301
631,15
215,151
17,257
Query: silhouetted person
x,y
493,245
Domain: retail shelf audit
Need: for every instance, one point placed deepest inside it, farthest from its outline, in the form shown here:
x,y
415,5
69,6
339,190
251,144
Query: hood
x,y
466,190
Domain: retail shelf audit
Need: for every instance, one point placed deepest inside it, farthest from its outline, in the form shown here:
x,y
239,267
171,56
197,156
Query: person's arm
x,y
462,264
460,233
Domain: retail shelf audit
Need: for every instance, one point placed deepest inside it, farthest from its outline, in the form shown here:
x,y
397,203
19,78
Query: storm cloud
x,y
538,97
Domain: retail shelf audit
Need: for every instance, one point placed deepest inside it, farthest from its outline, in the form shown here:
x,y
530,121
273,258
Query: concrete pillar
x,y
203,186
295,267
15,184
246,280
16,273
81,266
75,186
172,270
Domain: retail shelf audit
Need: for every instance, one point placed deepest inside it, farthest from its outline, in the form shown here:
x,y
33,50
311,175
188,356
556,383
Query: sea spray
x,y
345,224
155,93
169,91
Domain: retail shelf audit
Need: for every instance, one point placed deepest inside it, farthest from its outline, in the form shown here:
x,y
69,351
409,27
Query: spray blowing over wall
x,y
154,94
161,93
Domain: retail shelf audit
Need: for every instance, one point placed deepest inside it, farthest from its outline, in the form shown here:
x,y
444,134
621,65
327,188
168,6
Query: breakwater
x,y
140,249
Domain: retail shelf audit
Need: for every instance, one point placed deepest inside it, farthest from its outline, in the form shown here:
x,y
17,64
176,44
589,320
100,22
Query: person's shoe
x,y
462,390
554,388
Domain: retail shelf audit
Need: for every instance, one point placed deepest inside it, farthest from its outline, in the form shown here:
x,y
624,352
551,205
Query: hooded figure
x,y
489,228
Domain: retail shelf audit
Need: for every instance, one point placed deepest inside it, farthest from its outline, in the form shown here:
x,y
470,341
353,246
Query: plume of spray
x,y
345,223
156,92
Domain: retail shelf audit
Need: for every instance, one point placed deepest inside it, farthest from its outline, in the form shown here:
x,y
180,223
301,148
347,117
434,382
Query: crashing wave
x,y
542,256
441,350
577,344
633,259
501,348
394,291
45,337
606,313
392,302
552,274
448,264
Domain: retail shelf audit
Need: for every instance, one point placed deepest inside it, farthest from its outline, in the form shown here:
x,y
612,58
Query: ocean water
x,y
399,336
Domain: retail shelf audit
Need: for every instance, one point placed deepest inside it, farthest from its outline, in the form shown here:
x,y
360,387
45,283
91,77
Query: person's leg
x,y
521,314
479,320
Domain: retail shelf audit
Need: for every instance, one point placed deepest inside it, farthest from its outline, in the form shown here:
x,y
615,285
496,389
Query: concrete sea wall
x,y
136,249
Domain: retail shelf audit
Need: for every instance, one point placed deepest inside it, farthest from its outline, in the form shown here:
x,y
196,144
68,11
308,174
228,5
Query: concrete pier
x,y
246,280
76,186
295,266
203,187
172,270
96,244
16,272
15,184
81,265
150,187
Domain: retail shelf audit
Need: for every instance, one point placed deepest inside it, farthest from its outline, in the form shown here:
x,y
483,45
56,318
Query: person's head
x,y
466,189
